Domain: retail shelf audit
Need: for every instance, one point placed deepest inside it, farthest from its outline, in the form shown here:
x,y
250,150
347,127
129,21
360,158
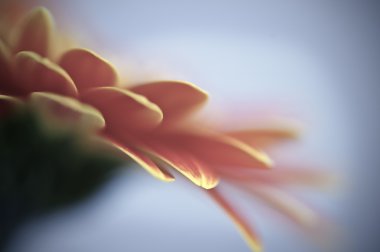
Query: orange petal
x,y
248,233
187,164
264,137
176,99
7,103
87,69
285,176
34,73
142,160
219,150
35,32
67,110
125,112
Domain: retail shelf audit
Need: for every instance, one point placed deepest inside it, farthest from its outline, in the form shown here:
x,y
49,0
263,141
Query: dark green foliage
x,y
41,171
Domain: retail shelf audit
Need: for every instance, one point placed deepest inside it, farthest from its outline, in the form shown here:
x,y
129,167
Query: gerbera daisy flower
x,y
148,123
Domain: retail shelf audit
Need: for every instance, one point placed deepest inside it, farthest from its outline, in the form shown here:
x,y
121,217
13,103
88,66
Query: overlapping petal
x,y
125,112
187,164
220,150
176,98
142,159
35,33
68,110
87,69
35,73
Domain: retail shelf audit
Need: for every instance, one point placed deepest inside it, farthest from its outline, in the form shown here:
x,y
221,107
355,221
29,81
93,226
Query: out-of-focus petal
x,y
125,112
87,69
176,98
282,176
143,160
264,137
286,204
35,32
67,109
7,103
35,73
220,150
5,66
242,224
188,165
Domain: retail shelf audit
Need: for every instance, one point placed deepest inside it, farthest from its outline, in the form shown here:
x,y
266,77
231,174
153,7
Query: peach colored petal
x,y
264,137
220,150
143,160
285,176
34,73
188,165
125,112
35,32
242,224
67,109
176,98
285,203
87,69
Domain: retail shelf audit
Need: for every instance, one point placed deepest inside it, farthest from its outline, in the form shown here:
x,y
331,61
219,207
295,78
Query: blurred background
x,y
315,61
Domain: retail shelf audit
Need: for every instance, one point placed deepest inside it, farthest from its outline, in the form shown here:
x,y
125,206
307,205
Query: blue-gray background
x,y
318,59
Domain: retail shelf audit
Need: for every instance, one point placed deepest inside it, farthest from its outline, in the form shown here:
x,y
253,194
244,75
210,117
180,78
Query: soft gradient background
x,y
318,61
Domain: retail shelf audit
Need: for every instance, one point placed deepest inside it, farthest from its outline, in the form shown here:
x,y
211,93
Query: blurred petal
x,y
144,161
308,177
125,112
7,103
35,32
223,151
87,69
264,137
34,73
67,109
242,224
176,99
285,203
187,164
5,66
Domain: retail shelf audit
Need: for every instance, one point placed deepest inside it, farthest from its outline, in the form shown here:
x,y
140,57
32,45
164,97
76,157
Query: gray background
x,y
319,60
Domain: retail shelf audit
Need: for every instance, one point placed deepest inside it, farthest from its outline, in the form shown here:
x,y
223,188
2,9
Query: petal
x,y
285,203
35,32
248,233
5,66
142,160
87,69
34,73
125,112
264,137
295,177
67,110
8,103
220,150
176,99
188,165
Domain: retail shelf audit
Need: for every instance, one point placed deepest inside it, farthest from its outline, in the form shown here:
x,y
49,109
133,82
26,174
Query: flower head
x,y
148,123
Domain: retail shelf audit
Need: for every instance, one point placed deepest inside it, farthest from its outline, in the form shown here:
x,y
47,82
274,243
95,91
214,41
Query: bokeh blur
x,y
315,62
